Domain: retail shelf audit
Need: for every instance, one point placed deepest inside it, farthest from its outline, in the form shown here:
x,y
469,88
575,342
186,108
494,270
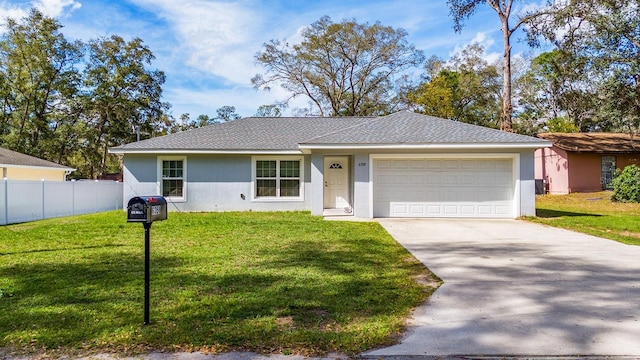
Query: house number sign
x,y
362,164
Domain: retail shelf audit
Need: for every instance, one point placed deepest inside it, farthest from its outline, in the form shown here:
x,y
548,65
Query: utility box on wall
x,y
146,209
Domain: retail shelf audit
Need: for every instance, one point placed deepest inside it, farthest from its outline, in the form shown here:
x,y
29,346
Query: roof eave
x,y
307,148
598,151
36,167
121,151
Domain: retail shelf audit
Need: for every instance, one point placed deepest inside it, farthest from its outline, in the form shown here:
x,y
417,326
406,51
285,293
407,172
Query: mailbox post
x,y
146,210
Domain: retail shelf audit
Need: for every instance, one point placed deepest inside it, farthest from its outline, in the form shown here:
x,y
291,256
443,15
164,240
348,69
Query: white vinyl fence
x,y
27,200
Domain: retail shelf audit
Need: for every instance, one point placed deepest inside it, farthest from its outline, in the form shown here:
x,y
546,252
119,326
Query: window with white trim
x,y
172,177
277,178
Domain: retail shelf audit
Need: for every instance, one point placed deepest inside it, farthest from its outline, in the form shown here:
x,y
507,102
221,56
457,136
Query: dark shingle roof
x,y
594,142
407,127
291,133
282,133
9,157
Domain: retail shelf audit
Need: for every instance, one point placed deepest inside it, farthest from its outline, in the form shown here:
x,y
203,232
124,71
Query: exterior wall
x,y
527,184
317,182
585,172
586,169
217,182
362,190
624,160
213,183
566,172
33,174
552,166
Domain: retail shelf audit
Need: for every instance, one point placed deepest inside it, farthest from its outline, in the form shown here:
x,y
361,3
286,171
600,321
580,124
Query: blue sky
x,y
206,48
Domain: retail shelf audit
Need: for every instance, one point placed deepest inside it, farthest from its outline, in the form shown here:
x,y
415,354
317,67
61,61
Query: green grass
x,y
591,213
267,282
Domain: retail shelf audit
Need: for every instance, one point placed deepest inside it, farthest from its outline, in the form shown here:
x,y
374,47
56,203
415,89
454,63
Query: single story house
x,y
18,166
401,165
584,162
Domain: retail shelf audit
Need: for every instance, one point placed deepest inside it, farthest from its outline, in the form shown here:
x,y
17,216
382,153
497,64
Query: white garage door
x,y
443,187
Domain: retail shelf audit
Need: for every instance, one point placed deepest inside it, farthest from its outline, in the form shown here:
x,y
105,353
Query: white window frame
x,y
277,198
182,198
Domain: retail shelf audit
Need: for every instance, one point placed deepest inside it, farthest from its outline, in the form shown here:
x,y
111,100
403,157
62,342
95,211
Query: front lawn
x,y
591,213
266,282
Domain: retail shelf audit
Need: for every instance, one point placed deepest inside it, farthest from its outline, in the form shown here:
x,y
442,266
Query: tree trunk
x,y
507,108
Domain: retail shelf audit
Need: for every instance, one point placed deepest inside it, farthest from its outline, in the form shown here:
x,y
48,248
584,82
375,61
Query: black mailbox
x,y
146,209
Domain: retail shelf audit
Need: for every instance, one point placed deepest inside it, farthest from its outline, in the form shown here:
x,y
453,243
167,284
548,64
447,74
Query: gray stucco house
x,y
401,165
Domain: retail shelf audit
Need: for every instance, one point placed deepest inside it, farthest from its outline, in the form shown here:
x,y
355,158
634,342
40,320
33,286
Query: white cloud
x,y
11,12
55,8
486,42
51,8
215,37
246,100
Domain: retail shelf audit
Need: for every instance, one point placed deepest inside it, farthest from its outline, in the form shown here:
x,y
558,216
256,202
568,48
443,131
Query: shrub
x,y
626,185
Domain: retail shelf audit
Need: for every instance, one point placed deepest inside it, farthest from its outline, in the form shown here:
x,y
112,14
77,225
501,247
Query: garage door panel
x,y
400,180
384,179
417,209
433,210
503,210
417,179
485,210
468,209
433,179
443,188
433,164
504,165
468,180
400,209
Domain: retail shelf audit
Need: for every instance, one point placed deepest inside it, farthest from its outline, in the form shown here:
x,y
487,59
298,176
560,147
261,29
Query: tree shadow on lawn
x,y
368,278
85,247
75,303
96,303
548,213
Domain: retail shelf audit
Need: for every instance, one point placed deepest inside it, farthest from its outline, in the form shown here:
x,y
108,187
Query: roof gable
x,y
594,142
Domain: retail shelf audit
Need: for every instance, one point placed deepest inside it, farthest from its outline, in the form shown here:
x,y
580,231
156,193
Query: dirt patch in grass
x,y
625,233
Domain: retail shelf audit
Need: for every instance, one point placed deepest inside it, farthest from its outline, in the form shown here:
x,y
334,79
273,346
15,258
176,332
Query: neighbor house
x,y
584,162
401,165
18,166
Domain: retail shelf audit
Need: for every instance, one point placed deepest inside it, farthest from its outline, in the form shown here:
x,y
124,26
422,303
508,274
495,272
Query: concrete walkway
x,y
517,288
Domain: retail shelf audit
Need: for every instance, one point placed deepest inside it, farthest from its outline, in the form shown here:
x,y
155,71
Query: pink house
x,y
584,162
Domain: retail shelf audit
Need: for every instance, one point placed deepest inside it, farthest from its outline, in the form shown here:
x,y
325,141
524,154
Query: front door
x,y
336,182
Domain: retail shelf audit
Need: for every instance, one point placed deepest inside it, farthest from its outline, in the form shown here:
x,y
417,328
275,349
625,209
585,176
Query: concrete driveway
x,y
517,288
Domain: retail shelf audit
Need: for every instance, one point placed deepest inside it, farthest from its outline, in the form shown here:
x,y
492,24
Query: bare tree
x,y
463,9
345,69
